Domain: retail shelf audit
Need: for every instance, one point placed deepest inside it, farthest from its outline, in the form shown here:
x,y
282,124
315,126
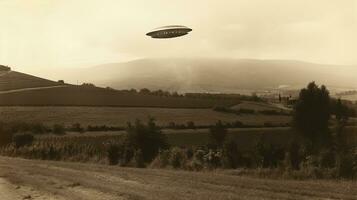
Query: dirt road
x,y
28,179
30,89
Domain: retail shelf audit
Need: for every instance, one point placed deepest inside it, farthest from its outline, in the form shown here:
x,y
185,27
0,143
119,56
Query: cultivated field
x,y
94,96
119,116
29,179
256,106
11,80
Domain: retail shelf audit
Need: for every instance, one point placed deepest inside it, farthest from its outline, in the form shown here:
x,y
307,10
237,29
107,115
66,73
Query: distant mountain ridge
x,y
217,75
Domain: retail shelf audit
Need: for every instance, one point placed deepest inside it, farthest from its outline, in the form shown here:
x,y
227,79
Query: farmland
x,y
95,96
91,146
11,80
119,116
59,180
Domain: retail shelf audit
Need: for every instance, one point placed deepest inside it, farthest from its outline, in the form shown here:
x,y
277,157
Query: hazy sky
x,y
78,33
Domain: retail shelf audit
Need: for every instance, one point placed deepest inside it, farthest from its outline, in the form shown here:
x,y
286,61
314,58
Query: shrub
x,y
237,124
295,156
58,129
327,158
269,154
218,133
113,154
347,166
5,135
172,125
230,154
213,159
23,140
194,165
189,153
39,128
35,128
177,158
77,128
146,137
138,159
190,125
197,162
162,160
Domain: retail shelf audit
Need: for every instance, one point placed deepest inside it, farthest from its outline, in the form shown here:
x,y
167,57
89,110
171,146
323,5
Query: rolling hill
x,y
19,89
12,80
215,75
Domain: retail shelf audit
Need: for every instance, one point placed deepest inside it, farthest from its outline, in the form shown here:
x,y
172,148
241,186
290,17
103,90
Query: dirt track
x,y
27,179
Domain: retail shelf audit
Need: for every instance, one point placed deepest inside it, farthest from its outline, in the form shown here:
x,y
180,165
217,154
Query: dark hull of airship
x,y
169,33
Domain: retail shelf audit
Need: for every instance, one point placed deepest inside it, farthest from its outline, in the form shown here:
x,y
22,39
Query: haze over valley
x,y
210,75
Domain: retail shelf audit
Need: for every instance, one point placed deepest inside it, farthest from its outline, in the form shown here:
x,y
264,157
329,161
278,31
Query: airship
x,y
171,31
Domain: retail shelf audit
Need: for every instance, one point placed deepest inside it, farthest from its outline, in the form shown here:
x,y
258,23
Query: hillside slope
x,y
19,89
215,75
12,80
94,96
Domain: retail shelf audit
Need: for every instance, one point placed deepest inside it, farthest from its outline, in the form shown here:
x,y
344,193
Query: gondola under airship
x,y
169,31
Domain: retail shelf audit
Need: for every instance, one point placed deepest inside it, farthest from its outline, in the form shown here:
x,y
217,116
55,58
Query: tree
x,y
21,140
312,114
230,154
59,129
147,138
218,133
145,91
5,134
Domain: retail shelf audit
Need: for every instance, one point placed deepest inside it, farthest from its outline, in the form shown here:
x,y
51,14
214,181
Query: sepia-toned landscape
x,y
116,100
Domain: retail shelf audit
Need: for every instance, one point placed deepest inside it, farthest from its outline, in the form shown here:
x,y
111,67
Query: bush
x,y
190,125
270,155
23,140
147,138
213,159
113,154
58,129
162,160
218,133
177,158
327,159
295,155
197,162
5,135
230,154
77,128
138,159
347,166
237,124
35,128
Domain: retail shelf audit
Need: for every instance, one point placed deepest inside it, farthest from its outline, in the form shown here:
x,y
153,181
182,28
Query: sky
x,y
52,34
